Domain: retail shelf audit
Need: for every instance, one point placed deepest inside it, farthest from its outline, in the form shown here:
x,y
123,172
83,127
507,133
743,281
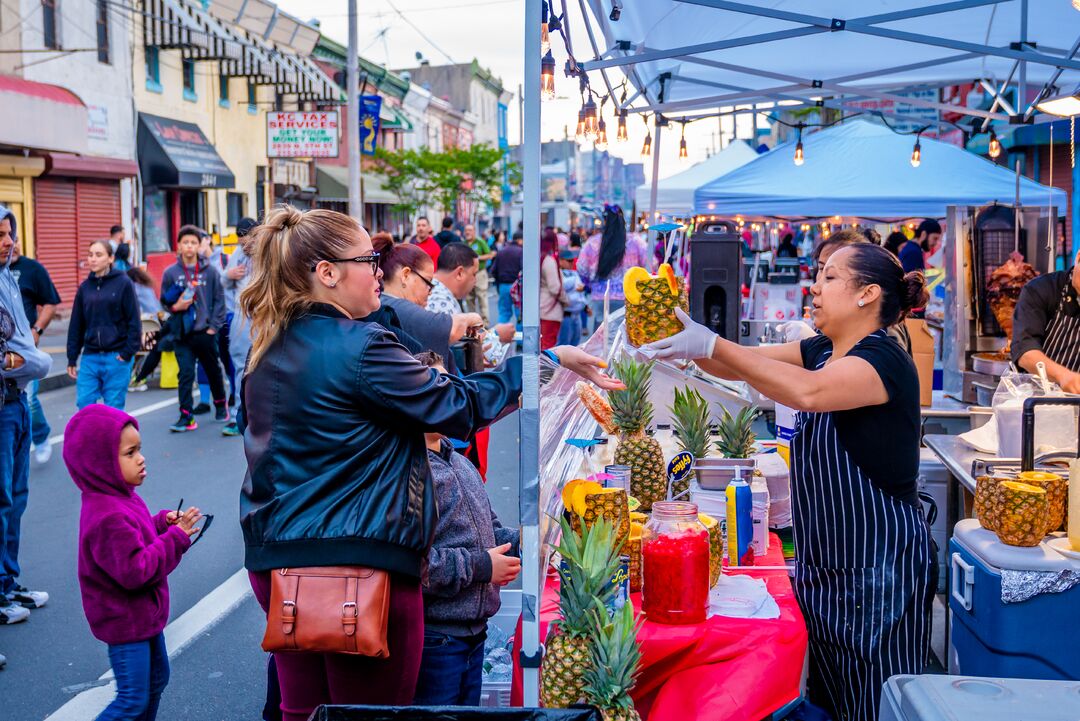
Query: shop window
x,y
103,31
153,71
252,107
223,92
188,69
234,203
49,24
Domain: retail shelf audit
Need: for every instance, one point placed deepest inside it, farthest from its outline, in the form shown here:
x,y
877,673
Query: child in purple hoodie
x,y
125,555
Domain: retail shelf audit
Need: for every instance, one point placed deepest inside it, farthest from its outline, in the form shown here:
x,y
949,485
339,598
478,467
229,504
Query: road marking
x,y
179,634
136,413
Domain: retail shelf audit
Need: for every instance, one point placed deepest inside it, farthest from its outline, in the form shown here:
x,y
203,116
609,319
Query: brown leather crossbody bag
x,y
328,609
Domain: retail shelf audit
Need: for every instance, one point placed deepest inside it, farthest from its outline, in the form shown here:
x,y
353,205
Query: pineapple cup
x,y
1025,510
1056,492
716,547
591,504
634,546
985,509
651,301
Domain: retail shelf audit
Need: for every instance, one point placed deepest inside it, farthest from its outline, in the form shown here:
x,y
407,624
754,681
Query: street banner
x,y
370,107
302,134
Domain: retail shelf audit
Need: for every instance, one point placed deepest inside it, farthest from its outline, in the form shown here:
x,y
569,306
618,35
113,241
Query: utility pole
x,y
352,75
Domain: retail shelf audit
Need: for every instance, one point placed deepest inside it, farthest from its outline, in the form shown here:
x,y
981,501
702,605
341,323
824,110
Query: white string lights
x,y
799,158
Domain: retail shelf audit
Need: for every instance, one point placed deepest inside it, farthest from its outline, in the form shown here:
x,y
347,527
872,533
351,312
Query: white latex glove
x,y
796,330
694,341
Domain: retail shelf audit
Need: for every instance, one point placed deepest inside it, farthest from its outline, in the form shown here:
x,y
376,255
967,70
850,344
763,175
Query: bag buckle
x,y
348,621
288,617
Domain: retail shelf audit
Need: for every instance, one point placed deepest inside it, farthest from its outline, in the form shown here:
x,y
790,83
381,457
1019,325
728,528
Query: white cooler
x,y
971,698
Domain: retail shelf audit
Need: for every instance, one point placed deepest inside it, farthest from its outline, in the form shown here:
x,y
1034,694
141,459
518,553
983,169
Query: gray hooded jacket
x,y
36,364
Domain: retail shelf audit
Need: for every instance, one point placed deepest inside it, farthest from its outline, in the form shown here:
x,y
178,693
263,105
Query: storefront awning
x,y
333,184
175,154
166,25
390,118
41,116
89,166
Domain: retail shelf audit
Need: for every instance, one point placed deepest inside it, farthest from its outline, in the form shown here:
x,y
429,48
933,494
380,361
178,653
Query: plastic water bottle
x,y
740,522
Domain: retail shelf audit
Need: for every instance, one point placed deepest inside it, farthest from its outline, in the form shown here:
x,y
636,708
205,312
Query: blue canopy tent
x,y
861,169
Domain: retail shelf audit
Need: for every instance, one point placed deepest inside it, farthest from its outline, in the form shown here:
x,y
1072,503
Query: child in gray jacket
x,y
472,556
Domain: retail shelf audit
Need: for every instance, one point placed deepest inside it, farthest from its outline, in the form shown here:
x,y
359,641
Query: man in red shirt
x,y
425,240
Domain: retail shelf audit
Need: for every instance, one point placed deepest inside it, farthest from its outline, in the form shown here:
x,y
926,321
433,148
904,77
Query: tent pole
x,y
529,415
651,219
1021,100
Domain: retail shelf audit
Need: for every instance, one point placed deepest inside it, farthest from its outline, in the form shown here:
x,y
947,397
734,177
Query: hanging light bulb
x,y
545,36
799,157
620,134
601,136
646,148
579,134
916,154
995,144
592,126
547,77
683,155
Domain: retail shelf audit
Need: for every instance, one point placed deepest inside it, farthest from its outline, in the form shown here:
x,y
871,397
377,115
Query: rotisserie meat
x,y
1003,289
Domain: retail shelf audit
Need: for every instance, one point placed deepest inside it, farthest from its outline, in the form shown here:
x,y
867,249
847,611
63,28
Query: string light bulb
x,y
620,134
646,148
800,158
601,136
683,155
547,77
995,144
592,126
916,154
579,133
545,35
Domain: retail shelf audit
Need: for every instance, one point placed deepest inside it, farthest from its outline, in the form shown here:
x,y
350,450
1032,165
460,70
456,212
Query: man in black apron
x,y
1046,327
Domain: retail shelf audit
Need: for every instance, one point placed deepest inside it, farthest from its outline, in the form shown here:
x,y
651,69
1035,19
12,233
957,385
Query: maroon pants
x,y
549,333
310,679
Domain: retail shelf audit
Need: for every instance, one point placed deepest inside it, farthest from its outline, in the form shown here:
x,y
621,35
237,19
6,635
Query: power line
x,y
420,32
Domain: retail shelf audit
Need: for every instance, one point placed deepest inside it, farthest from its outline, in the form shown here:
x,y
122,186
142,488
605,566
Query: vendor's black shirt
x,y
1037,306
35,284
883,440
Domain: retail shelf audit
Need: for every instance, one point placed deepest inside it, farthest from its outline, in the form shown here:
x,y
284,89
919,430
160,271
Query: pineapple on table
x,y
633,545
591,560
737,433
614,664
631,413
590,501
716,547
1023,512
690,418
651,301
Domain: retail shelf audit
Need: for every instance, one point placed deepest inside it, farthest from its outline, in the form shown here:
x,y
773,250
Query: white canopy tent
x,y
675,194
861,169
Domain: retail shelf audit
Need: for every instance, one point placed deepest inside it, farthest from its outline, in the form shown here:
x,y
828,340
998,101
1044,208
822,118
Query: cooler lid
x,y
956,698
985,545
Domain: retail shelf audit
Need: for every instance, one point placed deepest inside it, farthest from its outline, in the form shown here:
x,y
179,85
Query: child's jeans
x,y
142,673
451,670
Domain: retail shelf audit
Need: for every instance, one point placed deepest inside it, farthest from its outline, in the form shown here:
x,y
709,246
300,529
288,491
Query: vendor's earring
x,y
862,303
334,285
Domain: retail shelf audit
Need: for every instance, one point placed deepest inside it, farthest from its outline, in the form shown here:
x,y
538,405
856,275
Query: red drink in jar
x,y
675,565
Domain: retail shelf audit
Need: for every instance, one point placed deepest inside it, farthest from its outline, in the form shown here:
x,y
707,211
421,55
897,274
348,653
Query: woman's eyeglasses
x,y
373,259
429,283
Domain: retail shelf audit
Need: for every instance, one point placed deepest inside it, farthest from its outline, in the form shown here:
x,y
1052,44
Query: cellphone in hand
x,y
188,293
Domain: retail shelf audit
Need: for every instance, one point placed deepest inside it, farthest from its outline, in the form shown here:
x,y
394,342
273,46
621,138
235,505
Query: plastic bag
x,y
1055,427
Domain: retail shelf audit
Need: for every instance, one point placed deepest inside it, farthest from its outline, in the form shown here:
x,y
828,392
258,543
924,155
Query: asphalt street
x,y
220,673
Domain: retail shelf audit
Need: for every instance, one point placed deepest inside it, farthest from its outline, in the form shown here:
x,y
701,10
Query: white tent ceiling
x,y
728,53
675,194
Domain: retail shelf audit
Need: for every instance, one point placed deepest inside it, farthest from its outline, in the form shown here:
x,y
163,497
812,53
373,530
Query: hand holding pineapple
x,y
652,303
694,341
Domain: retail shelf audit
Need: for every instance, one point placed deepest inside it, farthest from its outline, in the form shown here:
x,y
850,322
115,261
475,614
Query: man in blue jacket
x,y
191,290
21,363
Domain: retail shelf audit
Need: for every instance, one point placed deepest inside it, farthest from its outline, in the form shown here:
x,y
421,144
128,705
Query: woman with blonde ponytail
x,y
336,412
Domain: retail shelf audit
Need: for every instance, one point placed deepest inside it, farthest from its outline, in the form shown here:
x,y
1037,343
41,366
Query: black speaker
x,y
716,268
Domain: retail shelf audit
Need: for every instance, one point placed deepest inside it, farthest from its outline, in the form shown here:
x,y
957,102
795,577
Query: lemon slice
x,y
630,280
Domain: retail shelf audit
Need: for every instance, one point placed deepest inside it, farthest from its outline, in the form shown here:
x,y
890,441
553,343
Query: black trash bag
x,y
452,713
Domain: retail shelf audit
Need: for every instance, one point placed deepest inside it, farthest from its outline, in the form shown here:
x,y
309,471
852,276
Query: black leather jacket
x,y
337,466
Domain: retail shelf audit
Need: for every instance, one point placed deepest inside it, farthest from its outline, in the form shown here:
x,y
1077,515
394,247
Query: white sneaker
x,y
43,452
27,598
13,613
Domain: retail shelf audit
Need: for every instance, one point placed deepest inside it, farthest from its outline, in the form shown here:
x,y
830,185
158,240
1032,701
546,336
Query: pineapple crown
x,y
631,409
592,558
690,418
615,656
737,433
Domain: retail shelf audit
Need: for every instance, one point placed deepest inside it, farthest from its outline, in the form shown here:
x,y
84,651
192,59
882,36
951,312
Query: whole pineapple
x,y
591,560
651,301
737,433
632,412
615,661
690,418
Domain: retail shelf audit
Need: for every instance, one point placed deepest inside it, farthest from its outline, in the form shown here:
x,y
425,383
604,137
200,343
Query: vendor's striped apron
x,y
1062,344
862,574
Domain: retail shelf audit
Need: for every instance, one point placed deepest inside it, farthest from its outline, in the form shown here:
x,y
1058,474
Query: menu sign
x,y
302,134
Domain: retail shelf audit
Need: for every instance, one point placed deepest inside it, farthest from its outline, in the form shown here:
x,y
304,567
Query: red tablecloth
x,y
725,668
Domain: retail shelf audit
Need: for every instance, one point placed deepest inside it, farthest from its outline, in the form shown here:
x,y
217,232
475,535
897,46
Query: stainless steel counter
x,y
956,455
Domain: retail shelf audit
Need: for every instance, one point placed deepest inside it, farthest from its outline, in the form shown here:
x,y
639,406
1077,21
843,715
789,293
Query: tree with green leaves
x,y
419,177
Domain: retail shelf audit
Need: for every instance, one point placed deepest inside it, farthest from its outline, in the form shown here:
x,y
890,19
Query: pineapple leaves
x,y
737,433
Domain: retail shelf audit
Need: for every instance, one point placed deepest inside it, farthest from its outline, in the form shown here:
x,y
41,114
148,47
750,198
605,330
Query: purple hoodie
x,y
125,554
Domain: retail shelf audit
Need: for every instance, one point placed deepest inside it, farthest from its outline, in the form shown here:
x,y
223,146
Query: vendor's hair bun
x,y
914,293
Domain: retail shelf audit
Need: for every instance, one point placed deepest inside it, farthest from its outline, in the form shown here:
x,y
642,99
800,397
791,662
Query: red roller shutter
x,y
57,243
98,210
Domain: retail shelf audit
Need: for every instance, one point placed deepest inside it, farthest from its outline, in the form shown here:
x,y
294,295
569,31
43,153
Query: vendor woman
x,y
863,549
1046,327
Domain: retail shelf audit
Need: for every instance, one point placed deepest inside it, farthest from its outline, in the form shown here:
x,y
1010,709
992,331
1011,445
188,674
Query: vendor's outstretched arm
x,y
1067,379
785,353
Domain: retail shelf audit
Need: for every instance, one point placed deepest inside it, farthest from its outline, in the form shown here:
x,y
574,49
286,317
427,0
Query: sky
x,y
391,32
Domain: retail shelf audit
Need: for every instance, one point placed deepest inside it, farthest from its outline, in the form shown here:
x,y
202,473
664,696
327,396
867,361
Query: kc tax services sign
x,y
302,135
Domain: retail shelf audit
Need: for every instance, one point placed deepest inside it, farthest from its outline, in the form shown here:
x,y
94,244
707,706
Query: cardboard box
x,y
922,351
